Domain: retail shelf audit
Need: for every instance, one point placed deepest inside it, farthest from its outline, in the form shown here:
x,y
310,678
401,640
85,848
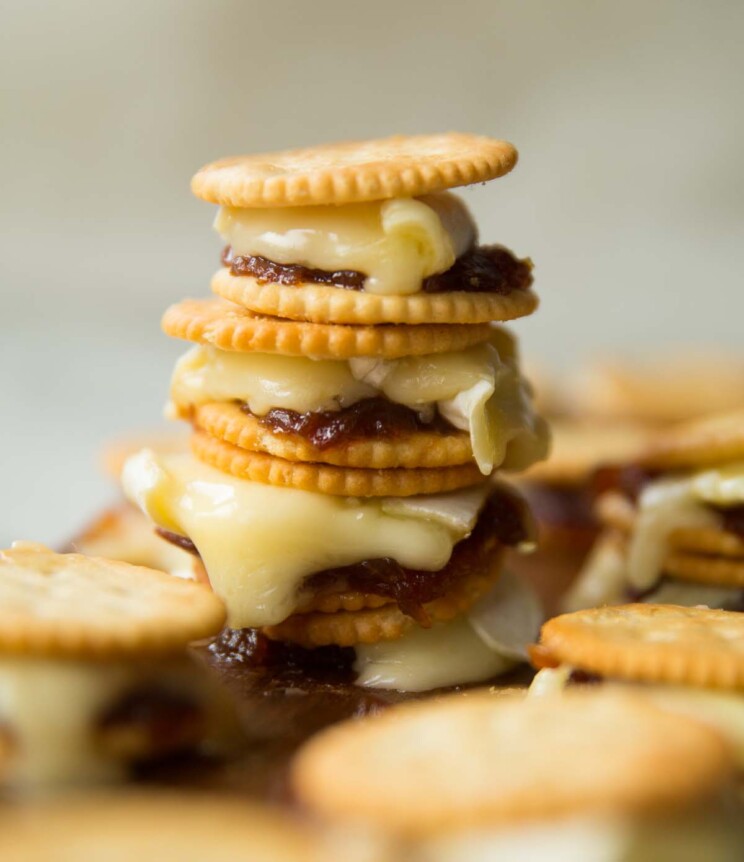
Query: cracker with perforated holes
x,y
72,606
409,449
324,304
327,479
652,643
470,762
388,622
230,327
354,171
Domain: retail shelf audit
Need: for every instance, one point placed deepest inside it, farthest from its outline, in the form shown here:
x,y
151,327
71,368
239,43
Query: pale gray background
x,y
629,194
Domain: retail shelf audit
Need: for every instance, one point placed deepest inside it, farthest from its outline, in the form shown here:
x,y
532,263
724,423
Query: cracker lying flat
x,y
68,605
702,569
346,628
231,327
326,479
412,449
701,443
354,171
707,540
652,643
469,762
323,304
149,825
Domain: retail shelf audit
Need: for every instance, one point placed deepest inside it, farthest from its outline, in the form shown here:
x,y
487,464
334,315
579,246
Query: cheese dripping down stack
x,y
351,401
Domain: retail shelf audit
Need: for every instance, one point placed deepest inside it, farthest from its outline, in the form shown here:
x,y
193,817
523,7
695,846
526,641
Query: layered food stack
x,y
673,519
350,401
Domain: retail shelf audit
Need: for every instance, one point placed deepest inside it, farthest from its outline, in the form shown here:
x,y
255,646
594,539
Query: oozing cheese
x,y
395,243
50,708
476,390
424,659
259,542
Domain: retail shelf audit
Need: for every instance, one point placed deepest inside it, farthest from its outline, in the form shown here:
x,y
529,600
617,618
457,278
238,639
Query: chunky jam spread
x,y
482,269
267,271
370,417
500,523
150,723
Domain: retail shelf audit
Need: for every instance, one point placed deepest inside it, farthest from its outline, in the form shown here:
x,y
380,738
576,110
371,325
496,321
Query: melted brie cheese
x,y
50,708
396,243
475,390
423,659
258,542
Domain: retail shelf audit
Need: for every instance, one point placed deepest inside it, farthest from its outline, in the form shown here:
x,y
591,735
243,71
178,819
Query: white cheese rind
x,y
424,659
396,243
258,542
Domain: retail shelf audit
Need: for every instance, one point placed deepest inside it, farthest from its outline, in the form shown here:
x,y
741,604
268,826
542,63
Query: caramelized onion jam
x,y
482,269
369,418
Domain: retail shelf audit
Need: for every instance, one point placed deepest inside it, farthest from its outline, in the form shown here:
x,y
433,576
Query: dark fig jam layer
x,y
371,418
482,269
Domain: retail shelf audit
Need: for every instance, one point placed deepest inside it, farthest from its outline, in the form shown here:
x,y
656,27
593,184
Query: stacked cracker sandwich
x,y
350,402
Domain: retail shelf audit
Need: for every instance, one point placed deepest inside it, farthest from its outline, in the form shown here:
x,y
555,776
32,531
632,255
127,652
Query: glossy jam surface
x,y
370,418
482,269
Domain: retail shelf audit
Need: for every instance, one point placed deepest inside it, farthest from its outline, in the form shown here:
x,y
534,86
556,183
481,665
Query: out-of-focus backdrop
x,y
629,194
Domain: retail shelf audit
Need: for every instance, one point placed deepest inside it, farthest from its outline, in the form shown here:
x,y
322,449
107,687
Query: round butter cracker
x,y
417,449
72,606
457,763
228,326
327,479
652,643
324,304
346,628
703,569
354,171
710,541
714,440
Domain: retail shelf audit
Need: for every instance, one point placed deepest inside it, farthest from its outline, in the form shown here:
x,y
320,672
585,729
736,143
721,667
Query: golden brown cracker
x,y
388,622
354,171
698,444
326,479
652,643
72,606
230,327
711,541
579,447
416,449
323,304
460,763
